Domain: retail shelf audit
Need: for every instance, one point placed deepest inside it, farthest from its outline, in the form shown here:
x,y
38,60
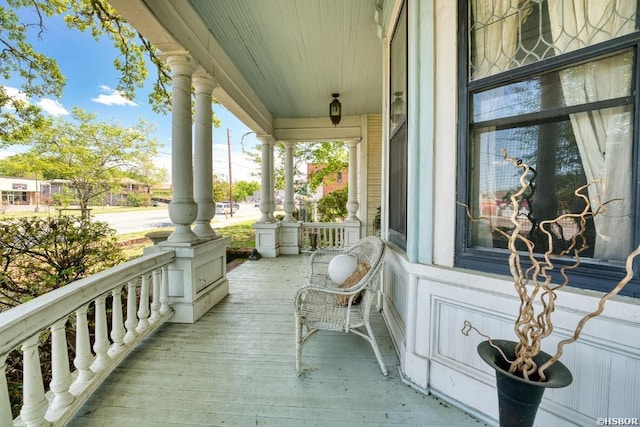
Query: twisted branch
x,y
534,283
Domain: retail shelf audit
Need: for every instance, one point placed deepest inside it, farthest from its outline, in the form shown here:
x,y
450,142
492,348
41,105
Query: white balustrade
x,y
117,322
143,311
50,318
325,235
60,374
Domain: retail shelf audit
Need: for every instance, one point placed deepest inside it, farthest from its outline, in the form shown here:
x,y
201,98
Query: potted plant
x,y
523,371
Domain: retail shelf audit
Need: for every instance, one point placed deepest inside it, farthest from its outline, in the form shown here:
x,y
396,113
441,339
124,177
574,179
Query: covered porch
x,y
236,366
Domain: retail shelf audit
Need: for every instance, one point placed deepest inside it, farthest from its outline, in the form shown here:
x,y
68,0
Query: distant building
x,y
330,183
19,191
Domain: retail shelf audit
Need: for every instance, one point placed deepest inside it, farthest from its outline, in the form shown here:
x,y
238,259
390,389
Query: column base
x,y
197,277
290,238
268,238
352,232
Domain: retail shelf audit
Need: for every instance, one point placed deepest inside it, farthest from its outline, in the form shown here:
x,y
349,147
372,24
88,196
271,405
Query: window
x,y
398,134
551,83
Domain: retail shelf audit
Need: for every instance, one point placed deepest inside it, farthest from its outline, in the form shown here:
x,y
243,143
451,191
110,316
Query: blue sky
x,y
91,79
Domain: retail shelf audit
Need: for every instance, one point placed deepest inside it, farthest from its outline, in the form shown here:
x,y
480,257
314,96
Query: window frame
x,y
592,275
398,140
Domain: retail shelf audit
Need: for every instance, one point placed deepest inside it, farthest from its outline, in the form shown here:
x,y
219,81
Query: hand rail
x,y
63,312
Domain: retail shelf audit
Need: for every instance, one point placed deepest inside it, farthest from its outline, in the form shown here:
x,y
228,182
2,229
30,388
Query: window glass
x,y
398,135
506,34
569,116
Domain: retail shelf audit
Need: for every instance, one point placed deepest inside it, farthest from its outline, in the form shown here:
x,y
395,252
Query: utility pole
x,y
230,181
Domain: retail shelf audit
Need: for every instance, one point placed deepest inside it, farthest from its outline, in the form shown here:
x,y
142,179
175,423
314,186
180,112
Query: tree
x,y
41,75
94,156
332,154
333,206
38,255
242,190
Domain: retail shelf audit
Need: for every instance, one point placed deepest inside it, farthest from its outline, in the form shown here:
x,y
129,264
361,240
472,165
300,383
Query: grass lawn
x,y
242,237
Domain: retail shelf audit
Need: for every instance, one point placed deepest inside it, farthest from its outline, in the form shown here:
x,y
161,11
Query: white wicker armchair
x,y
322,305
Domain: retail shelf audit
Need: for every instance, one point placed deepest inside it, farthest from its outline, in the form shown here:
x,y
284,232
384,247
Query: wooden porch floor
x,y
236,367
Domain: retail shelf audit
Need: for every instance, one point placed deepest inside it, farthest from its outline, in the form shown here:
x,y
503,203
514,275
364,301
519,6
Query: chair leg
x,y
376,350
298,344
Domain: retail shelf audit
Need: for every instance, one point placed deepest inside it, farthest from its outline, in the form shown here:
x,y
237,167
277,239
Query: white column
x,y
352,198
203,161
265,178
289,205
182,209
272,196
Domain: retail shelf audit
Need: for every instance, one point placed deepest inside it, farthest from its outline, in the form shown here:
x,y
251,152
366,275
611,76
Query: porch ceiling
x,y
277,62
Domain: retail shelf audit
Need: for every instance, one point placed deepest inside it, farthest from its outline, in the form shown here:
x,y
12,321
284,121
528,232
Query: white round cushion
x,y
341,267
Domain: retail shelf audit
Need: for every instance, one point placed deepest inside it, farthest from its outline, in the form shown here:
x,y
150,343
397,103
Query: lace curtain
x,y
604,137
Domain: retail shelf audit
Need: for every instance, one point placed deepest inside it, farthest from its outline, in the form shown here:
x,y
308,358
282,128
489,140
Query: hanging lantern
x,y
335,110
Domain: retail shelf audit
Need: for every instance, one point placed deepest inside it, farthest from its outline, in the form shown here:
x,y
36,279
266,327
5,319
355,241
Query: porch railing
x,y
90,310
325,235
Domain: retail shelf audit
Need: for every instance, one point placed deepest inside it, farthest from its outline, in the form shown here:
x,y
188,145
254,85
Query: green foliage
x,y
42,254
40,74
332,154
64,198
138,199
242,190
94,156
333,206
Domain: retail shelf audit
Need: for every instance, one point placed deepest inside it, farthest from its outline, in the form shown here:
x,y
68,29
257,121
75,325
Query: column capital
x,y
180,63
265,139
353,142
203,82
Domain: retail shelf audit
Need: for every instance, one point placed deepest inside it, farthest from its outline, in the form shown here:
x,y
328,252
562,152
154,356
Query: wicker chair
x,y
322,305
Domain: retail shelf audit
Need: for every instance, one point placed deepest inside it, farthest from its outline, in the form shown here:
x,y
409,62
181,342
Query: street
x,y
138,221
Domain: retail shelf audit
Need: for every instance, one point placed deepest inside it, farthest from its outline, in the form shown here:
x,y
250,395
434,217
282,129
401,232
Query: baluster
x,y
132,320
84,357
155,305
60,375
5,404
101,343
117,323
34,402
143,305
164,292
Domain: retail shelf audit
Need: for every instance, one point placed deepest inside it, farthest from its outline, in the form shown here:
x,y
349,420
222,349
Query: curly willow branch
x,y
531,328
576,334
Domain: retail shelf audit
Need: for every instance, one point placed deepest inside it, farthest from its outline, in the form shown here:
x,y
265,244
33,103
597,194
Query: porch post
x,y
272,200
182,209
352,200
265,178
267,228
203,163
289,205
290,230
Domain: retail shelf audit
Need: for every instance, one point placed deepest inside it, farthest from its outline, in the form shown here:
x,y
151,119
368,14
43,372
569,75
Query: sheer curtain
x,y
495,25
495,34
604,137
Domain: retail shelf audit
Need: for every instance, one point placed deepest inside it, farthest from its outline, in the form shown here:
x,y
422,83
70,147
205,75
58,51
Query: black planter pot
x,y
518,399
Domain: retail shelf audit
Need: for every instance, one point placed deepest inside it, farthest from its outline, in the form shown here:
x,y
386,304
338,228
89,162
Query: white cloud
x,y
15,93
112,97
48,105
52,107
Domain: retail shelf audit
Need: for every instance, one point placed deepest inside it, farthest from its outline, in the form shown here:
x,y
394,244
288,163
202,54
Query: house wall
x,y
373,180
426,303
